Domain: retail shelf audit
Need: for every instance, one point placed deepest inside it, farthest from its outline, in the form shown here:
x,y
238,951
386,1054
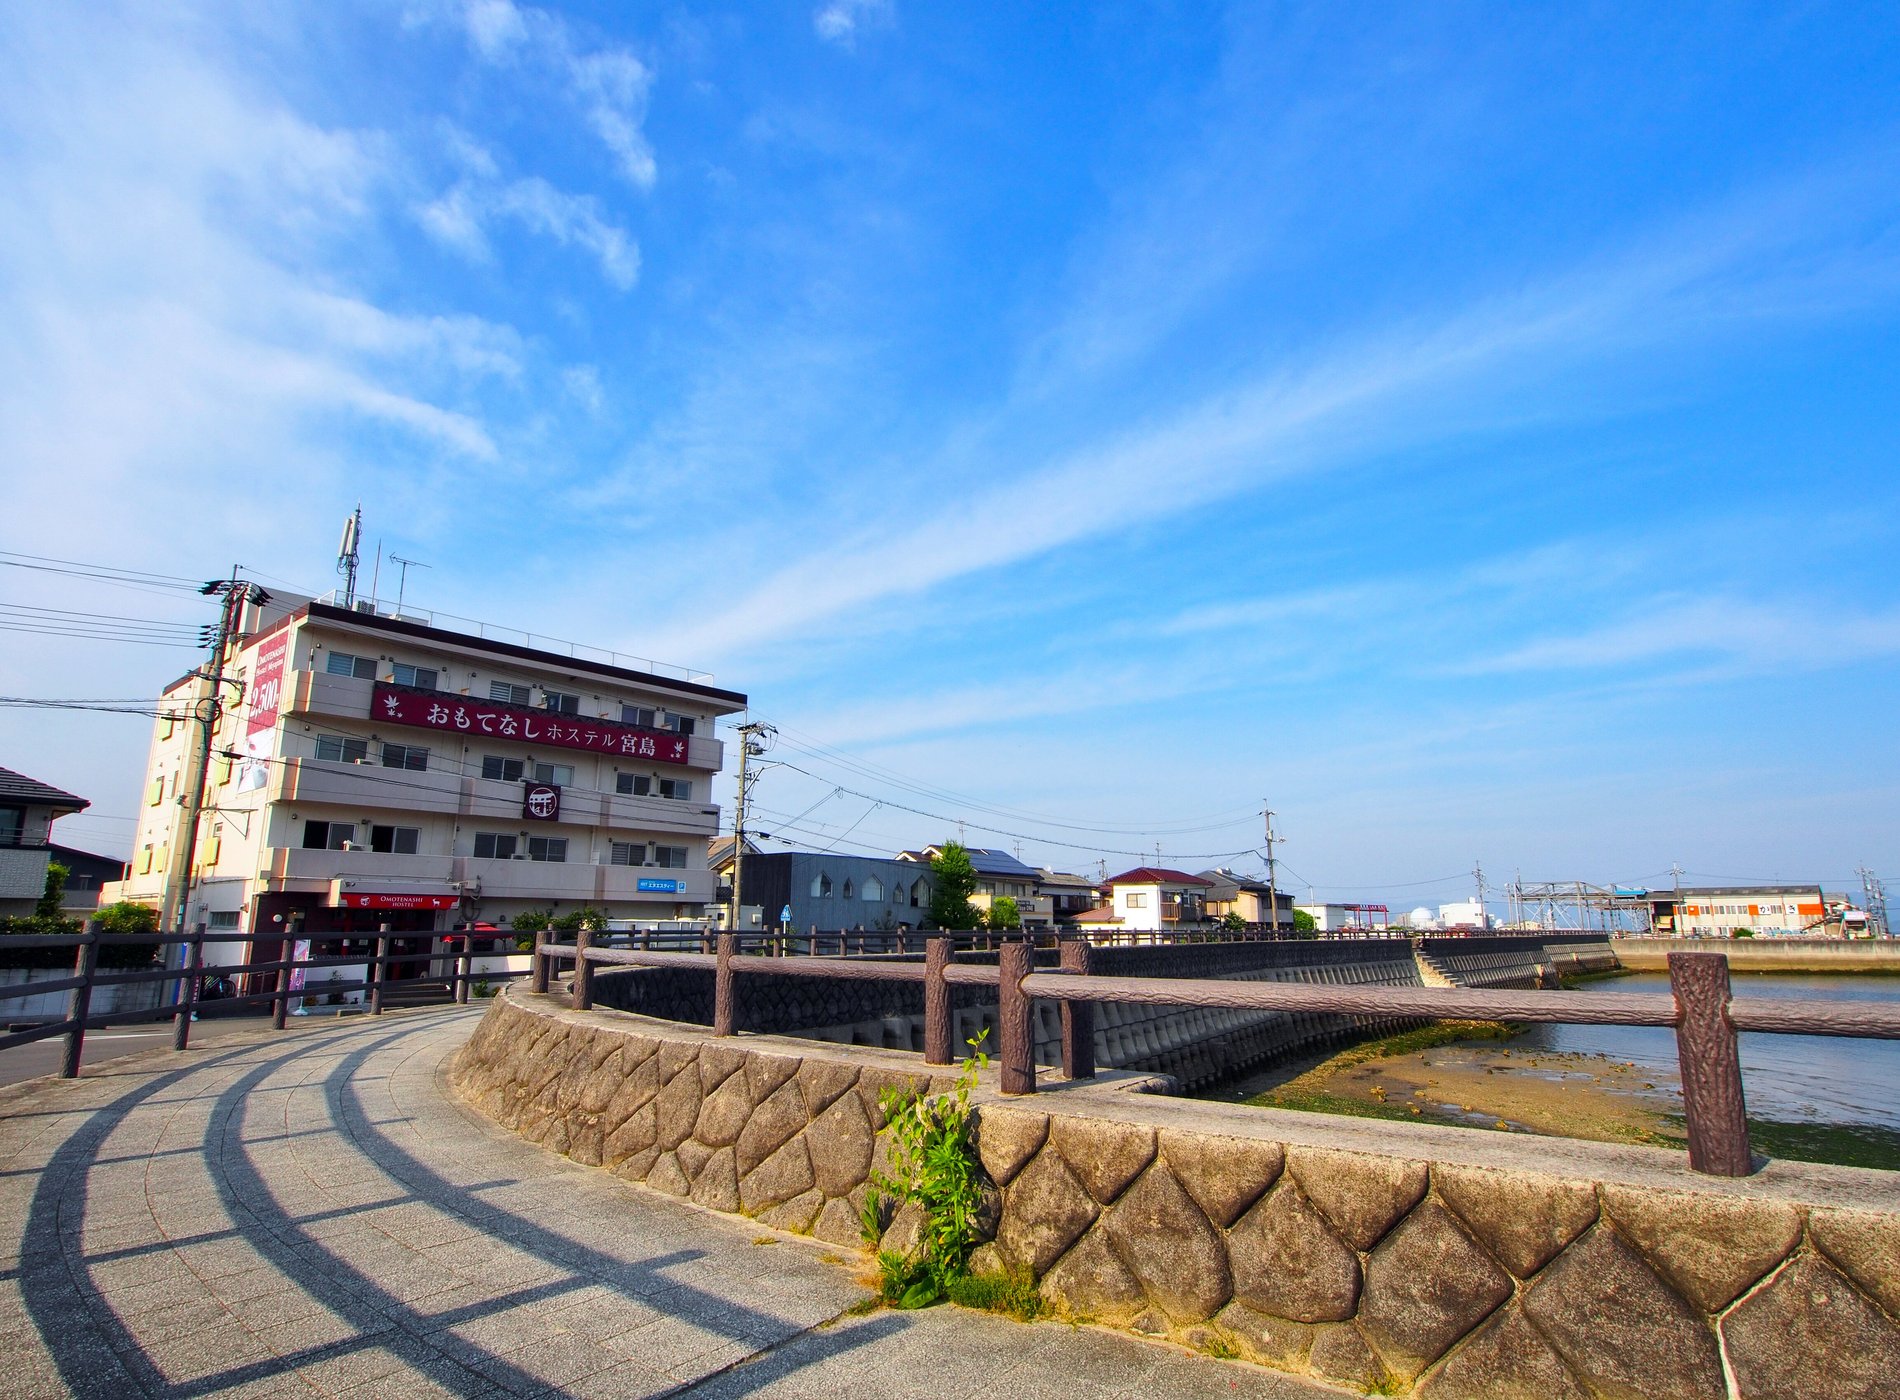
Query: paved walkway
x,y
309,1213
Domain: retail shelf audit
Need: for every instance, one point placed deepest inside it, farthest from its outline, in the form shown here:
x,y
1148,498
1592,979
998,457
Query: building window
x,y
395,840
638,715
145,860
562,703
328,836
12,825
504,770
158,793
494,845
681,724
509,693
559,774
849,893
627,853
873,887
679,789
673,856
222,919
341,663
633,785
552,849
334,748
420,677
416,760
1137,901
821,886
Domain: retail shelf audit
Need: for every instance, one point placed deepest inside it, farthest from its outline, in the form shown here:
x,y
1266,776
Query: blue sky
x,y
1470,428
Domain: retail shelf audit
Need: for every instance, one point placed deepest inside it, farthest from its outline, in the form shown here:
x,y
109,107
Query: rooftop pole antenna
x,y
402,579
349,554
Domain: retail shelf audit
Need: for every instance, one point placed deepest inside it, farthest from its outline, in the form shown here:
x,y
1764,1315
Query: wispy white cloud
x,y
459,219
1400,384
607,83
841,21
1742,636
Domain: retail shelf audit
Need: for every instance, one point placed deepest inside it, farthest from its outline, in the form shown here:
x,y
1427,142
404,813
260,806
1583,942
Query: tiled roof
x,y
1155,875
17,787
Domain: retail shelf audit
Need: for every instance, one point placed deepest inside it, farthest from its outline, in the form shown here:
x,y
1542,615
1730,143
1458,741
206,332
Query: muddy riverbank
x,y
1810,1098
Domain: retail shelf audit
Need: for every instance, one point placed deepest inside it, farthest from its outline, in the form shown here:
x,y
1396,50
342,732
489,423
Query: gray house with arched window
x,y
835,891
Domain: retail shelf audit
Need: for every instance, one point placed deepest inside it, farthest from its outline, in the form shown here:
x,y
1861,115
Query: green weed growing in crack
x,y
933,1165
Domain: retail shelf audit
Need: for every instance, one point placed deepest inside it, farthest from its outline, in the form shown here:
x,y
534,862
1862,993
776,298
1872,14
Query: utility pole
x,y
1484,915
1273,885
207,706
1874,899
753,738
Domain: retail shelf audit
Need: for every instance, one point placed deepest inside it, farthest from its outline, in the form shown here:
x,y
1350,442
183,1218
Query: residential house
x,y
999,874
1259,905
28,809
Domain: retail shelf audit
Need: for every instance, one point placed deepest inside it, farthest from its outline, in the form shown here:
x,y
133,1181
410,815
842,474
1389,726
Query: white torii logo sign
x,y
542,802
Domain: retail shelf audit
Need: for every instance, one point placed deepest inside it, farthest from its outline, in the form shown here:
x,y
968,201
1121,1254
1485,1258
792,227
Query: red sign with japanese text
x,y
399,901
485,719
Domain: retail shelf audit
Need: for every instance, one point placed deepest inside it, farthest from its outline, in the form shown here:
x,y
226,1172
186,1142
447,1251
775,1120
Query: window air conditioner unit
x,y
364,606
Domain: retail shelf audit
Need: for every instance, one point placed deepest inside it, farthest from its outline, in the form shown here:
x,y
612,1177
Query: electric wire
x,y
820,752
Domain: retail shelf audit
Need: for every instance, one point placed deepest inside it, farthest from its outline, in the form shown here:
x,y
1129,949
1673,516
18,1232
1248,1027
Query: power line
x,y
28,561
32,610
864,768
1002,831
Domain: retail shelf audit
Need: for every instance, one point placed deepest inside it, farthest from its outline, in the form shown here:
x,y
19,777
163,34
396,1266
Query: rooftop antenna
x,y
402,579
349,554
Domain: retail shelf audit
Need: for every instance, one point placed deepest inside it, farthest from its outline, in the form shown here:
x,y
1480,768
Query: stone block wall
x,y
758,1128
1404,1258
1465,1279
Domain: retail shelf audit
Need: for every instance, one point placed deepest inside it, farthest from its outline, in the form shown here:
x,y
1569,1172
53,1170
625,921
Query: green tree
x,y
55,890
1230,922
1004,914
122,920
1303,922
953,882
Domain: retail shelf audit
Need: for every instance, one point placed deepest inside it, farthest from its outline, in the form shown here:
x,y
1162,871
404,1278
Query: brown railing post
x,y
722,985
187,1005
583,971
937,955
379,970
1078,1017
1017,1048
79,999
539,967
1712,1101
280,1003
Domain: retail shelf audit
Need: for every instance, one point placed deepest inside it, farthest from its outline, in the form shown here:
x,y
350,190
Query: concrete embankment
x,y
1860,956
1446,1263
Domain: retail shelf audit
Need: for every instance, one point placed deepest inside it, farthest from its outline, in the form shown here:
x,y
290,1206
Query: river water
x,y
1790,1078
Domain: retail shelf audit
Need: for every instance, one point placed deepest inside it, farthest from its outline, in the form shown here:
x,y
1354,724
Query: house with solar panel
x,y
998,873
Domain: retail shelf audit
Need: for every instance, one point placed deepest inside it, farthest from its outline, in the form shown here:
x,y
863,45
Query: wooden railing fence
x,y
86,977
1698,1007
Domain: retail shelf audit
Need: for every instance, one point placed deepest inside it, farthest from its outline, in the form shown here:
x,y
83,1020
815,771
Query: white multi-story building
x,y
420,772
